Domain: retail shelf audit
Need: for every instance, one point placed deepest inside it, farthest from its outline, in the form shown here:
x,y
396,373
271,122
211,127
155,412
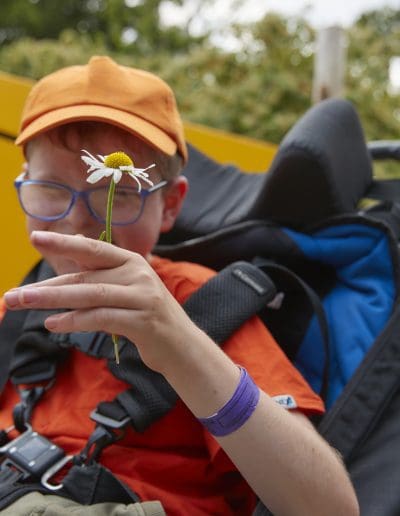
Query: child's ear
x,y
173,200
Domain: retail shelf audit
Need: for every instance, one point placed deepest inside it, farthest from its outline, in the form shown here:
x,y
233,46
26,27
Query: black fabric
x,y
367,394
384,189
229,299
374,468
35,355
87,485
242,241
290,335
151,396
10,330
364,425
95,484
322,168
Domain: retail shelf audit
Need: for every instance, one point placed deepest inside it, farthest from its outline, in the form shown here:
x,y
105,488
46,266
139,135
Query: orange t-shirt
x,y
2,308
175,460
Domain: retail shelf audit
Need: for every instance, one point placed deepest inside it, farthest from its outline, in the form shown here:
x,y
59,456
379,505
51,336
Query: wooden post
x,y
329,64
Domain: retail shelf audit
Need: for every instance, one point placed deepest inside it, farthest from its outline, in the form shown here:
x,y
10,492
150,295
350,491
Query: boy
x,y
121,289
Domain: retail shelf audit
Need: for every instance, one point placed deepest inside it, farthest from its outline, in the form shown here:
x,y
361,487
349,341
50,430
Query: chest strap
x,y
220,307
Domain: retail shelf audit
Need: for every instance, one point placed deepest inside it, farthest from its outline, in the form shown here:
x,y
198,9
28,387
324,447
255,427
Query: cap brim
x,y
133,124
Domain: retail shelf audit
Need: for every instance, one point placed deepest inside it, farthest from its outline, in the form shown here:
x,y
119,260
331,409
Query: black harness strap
x,y
288,282
95,484
246,290
219,307
238,292
10,330
35,355
367,394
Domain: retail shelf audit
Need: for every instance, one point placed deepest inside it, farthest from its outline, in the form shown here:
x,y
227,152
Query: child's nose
x,y
79,216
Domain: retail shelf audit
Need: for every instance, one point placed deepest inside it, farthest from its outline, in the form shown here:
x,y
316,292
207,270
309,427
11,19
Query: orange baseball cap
x,y
135,100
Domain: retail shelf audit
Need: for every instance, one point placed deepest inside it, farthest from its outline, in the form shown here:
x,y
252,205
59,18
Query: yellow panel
x,y
249,154
17,255
13,91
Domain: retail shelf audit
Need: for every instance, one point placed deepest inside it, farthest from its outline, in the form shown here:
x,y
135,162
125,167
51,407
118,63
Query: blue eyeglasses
x,y
49,201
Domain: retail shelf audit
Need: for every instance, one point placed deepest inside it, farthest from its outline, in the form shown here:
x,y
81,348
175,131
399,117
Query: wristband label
x,y
286,401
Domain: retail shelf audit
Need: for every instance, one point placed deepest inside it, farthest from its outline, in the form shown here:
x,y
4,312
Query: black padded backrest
x,y
219,195
322,168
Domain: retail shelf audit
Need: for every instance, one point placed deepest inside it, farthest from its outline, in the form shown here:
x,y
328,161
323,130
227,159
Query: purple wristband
x,y
237,410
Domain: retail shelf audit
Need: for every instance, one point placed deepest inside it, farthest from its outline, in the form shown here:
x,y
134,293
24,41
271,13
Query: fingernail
x,y
51,323
24,296
40,237
11,298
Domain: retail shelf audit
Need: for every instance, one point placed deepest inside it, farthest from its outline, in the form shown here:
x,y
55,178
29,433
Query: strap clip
x,y
108,421
31,454
55,468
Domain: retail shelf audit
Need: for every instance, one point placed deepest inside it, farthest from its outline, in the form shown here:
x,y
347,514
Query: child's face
x,y
55,163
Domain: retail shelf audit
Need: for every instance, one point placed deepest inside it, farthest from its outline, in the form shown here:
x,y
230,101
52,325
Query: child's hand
x,y
116,291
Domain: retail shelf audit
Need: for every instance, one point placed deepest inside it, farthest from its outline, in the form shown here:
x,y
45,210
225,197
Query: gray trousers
x,y
37,504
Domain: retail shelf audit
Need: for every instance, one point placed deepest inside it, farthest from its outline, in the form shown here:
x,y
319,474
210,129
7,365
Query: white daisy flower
x,y
115,164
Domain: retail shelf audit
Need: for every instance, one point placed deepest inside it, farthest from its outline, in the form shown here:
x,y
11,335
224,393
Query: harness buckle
x,y
31,454
109,421
55,468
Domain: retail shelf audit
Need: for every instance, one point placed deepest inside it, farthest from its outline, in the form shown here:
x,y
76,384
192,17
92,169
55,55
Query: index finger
x,y
88,253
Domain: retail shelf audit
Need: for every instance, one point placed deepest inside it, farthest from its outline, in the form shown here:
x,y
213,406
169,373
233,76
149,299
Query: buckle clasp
x,y
55,468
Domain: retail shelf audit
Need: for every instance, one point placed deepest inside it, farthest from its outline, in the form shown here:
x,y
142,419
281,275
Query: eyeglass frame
x,y
84,194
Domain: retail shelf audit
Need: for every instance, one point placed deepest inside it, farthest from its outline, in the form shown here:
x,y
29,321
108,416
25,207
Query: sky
x,y
221,14
319,13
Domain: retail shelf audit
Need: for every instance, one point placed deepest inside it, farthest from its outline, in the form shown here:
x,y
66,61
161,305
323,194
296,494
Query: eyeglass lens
x,y
49,200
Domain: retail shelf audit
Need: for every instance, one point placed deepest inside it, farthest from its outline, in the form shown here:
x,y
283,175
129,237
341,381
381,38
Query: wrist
x,y
237,410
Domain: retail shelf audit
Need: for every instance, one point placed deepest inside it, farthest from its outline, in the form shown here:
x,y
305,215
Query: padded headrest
x,y
322,168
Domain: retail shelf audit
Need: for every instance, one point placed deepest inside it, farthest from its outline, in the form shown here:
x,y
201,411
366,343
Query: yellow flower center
x,y
118,159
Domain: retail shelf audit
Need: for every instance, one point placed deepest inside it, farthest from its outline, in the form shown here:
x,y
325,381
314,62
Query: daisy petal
x,y
93,163
96,176
91,167
136,179
90,155
145,179
117,175
147,168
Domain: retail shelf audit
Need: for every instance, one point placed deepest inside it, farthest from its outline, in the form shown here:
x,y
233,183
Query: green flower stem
x,y
108,238
110,200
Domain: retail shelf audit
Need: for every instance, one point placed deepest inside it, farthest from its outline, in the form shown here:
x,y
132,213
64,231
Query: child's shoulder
x,y
181,278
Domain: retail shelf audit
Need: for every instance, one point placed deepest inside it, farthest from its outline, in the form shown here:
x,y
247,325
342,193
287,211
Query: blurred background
x,y
244,66
246,70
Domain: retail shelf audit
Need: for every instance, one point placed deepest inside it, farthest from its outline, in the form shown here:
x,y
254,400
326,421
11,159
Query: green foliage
x,y
373,40
259,90
35,58
119,23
